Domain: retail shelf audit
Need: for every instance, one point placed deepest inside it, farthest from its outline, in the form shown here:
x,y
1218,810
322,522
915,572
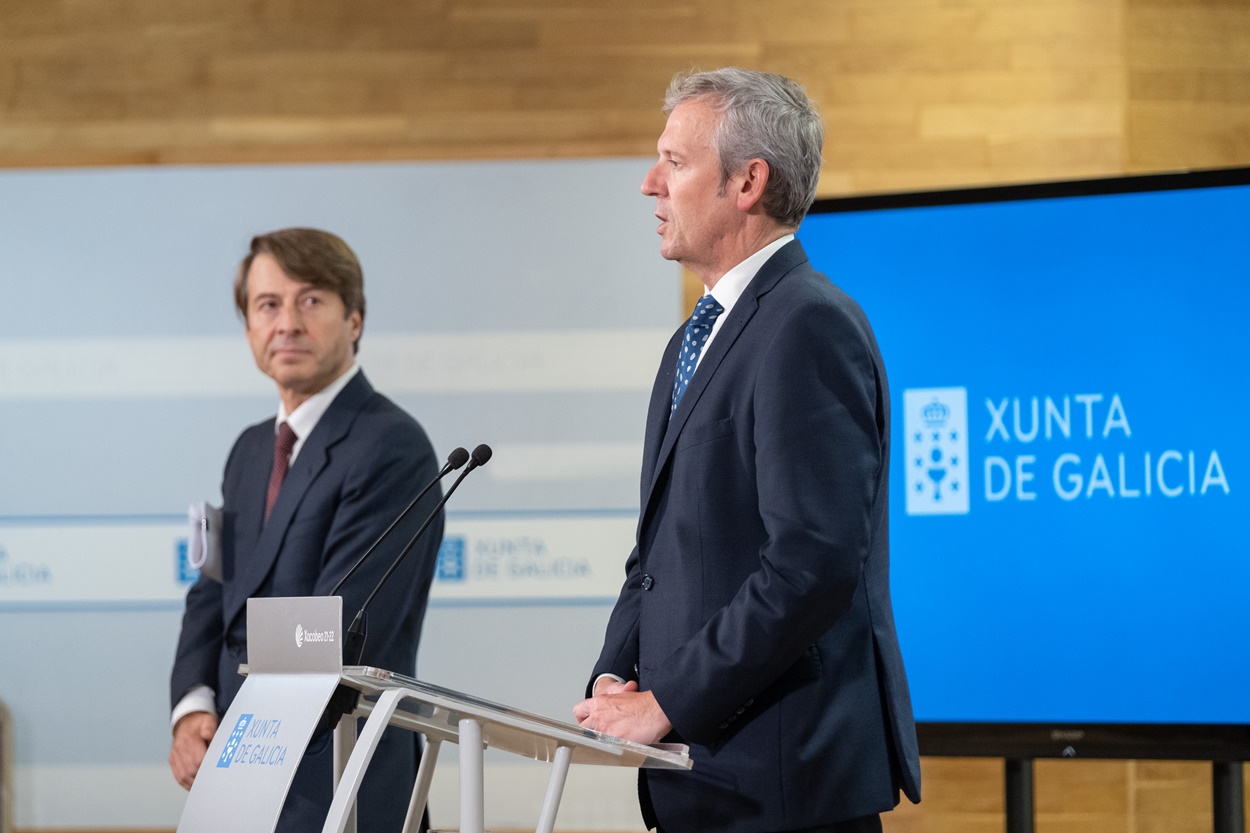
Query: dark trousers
x,y
863,824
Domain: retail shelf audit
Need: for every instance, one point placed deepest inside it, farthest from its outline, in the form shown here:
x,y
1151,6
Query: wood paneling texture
x,y
916,94
1070,796
1188,66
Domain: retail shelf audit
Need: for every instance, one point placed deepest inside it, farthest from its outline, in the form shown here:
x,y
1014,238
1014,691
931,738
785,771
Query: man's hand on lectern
x,y
192,734
622,710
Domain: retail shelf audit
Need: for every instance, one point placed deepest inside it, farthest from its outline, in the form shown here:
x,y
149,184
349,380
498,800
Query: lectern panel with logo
x,y
294,664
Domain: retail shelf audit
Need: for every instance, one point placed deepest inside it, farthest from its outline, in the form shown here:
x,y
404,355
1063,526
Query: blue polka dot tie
x,y
697,331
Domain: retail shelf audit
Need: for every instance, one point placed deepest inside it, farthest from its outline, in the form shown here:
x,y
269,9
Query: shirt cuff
x,y
199,699
600,677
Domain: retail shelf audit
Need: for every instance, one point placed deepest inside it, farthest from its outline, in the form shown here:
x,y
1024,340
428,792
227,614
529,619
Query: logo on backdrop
x,y
935,422
184,572
451,565
506,559
18,574
1071,447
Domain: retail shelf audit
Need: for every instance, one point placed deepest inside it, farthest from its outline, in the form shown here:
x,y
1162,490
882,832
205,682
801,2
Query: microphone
x,y
354,639
457,458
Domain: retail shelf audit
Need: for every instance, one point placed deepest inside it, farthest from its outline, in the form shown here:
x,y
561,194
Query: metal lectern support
x,y
421,790
445,716
347,785
1228,794
472,781
344,745
1019,774
555,789
472,777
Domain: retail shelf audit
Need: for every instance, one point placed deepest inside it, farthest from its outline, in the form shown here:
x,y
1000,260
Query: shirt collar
x,y
305,418
734,282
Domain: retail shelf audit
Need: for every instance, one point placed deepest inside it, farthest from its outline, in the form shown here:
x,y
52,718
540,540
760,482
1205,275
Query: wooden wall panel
x,y
1189,84
916,94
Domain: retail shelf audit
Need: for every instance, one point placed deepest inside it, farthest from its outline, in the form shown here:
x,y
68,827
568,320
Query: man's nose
x,y
651,183
289,318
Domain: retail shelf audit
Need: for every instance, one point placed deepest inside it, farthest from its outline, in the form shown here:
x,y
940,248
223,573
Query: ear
x,y
751,185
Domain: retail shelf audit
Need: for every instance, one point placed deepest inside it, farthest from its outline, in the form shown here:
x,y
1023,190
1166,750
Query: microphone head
x,y
481,454
457,458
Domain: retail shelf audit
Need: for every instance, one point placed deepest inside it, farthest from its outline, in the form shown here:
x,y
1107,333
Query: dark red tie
x,y
282,446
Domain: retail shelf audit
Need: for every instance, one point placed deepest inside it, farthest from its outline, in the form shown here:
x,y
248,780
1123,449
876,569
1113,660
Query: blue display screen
x,y
1071,448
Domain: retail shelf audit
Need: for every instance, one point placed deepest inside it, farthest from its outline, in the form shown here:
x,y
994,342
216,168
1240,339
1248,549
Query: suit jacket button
x,y
724,726
647,582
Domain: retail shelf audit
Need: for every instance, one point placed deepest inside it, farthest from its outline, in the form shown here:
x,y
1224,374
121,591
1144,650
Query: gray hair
x,y
766,116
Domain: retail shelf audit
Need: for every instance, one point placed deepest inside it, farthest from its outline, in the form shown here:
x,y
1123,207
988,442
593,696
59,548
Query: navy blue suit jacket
x,y
357,470
756,605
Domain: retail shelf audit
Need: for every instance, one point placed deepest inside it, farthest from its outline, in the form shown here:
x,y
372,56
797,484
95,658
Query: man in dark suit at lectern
x,y
305,494
755,622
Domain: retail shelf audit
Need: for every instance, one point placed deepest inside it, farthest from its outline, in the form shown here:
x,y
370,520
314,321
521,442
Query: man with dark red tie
x,y
304,495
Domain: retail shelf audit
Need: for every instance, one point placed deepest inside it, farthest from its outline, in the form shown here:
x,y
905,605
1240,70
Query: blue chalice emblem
x,y
936,472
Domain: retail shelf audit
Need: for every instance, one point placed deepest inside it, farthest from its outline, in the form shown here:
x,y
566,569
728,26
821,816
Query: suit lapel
x,y
661,402
313,457
737,321
664,437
